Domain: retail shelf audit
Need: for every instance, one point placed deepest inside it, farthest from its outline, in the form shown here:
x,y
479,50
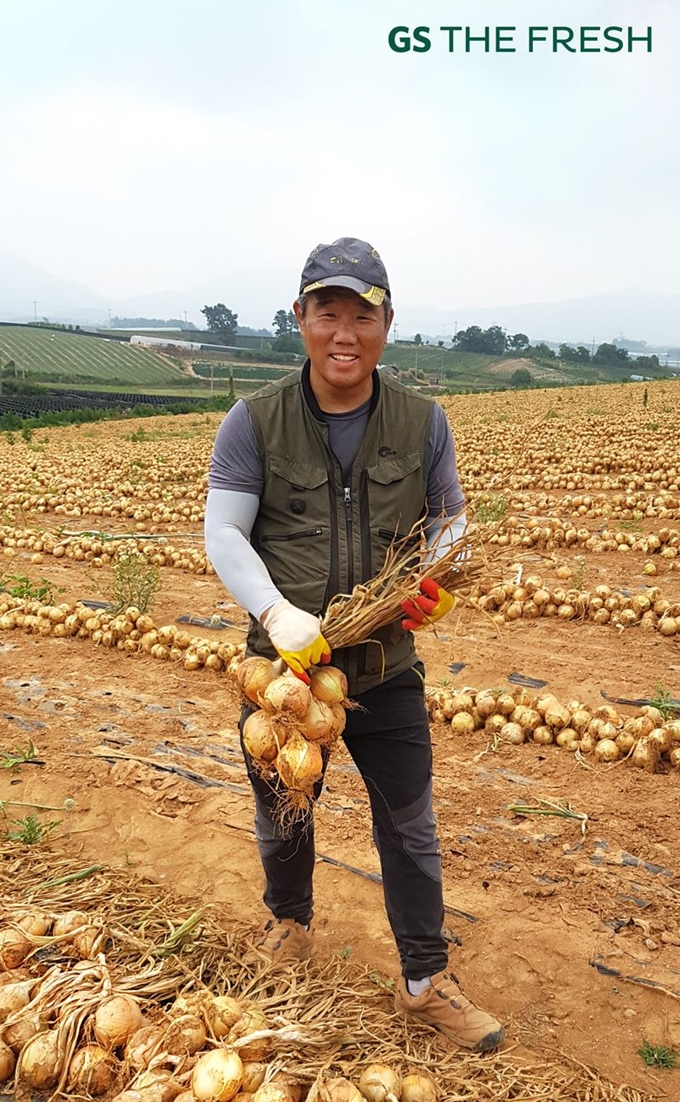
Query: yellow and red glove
x,y
433,603
297,637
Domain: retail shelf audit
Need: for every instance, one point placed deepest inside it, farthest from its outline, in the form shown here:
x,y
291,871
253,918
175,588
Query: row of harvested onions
x,y
203,1048
517,716
131,631
549,533
99,552
285,734
532,598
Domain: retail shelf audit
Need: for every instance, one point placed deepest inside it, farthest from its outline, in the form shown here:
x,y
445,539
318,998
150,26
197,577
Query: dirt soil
x,y
539,913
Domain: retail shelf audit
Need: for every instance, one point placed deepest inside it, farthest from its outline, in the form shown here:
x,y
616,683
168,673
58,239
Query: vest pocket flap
x,y
394,468
305,475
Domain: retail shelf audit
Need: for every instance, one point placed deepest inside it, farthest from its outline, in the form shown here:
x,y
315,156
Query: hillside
x,y
45,355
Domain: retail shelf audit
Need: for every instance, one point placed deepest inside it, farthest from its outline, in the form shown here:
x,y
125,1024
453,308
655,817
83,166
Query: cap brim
x,y
374,295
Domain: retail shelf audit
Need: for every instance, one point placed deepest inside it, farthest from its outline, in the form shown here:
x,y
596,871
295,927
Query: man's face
x,y
344,336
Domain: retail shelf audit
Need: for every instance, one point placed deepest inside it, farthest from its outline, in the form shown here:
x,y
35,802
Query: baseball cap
x,y
347,262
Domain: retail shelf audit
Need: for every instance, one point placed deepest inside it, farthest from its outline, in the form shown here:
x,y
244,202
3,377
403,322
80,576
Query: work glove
x,y
433,603
297,637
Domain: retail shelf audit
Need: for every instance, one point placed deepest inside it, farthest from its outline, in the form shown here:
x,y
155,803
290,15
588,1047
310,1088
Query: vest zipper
x,y
294,535
347,498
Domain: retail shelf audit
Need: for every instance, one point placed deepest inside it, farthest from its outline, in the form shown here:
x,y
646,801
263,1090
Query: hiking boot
x,y
444,1006
286,939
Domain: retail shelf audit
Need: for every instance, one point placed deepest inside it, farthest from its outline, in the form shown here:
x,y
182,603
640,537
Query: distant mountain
x,y
637,313
256,294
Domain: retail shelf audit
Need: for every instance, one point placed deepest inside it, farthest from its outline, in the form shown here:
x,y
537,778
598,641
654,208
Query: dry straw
x,y
325,1017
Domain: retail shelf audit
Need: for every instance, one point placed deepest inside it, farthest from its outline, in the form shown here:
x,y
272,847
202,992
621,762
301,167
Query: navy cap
x,y
349,263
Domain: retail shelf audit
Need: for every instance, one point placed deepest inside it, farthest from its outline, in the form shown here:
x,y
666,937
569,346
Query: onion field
x,y
553,692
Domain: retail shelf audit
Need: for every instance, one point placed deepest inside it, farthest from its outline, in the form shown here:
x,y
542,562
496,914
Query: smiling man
x,y
311,479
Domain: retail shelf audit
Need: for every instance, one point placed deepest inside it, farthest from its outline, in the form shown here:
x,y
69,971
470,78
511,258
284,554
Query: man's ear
x,y
298,313
389,320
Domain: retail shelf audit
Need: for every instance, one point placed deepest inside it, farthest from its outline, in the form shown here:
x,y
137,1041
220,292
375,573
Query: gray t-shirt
x,y
236,463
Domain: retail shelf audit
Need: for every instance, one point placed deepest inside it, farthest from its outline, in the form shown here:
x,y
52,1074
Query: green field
x,y
49,356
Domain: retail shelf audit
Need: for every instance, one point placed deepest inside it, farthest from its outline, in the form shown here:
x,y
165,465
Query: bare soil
x,y
538,911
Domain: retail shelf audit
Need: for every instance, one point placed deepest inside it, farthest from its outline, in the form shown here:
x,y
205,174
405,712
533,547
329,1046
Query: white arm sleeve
x,y
442,533
229,519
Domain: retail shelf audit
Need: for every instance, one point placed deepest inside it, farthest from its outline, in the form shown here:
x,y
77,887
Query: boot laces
x,y
449,988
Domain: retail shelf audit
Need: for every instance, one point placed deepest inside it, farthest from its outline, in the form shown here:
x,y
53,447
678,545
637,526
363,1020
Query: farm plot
x,y
50,355
561,876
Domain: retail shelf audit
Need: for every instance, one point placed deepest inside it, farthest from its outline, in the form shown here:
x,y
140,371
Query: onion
x,y
217,1076
67,923
287,694
157,1085
646,755
143,1045
513,733
20,1032
418,1088
556,717
185,1035
7,1062
529,719
259,738
14,948
86,941
254,674
334,1090
222,1013
273,1092
607,750
505,704
253,1076
380,1083
663,737
328,684
339,721
486,706
39,1063
115,1019
251,1021
317,724
92,1071
299,763
675,757
14,996
462,723
542,735
36,923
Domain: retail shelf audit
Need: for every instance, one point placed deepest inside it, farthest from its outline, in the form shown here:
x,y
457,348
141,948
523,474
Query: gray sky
x,y
155,144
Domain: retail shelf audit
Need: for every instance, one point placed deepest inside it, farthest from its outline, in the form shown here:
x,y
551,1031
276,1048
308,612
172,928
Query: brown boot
x,y
444,1006
286,939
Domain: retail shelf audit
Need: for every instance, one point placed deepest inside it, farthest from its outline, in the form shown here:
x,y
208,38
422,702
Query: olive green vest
x,y
317,537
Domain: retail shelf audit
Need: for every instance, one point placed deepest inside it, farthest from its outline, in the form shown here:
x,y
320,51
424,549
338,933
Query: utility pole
x,y
186,323
35,310
109,317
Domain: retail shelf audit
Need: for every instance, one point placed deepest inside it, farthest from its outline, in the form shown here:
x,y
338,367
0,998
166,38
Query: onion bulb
x,y
254,674
334,1090
115,1019
222,1013
67,923
185,1035
259,738
607,750
339,721
86,941
646,754
143,1045
418,1088
14,948
15,996
7,1062
287,694
317,724
329,684
273,1092
513,733
157,1085
251,1021
39,1064
217,1076
299,763
485,703
92,1071
36,922
462,723
380,1083
253,1076
20,1032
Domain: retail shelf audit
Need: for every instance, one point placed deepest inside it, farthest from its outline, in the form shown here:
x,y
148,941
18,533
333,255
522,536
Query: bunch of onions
x,y
380,1083
299,764
217,1076
116,1019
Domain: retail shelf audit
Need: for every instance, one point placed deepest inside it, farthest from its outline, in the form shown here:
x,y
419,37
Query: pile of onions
x,y
285,735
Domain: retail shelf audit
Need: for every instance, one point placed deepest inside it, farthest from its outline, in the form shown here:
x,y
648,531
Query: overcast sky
x,y
155,144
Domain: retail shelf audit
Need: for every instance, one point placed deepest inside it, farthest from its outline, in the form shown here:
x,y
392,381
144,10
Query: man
x,y
311,479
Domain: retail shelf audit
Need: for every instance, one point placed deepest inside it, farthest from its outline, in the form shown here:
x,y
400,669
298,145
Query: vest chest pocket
x,y
292,530
396,499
